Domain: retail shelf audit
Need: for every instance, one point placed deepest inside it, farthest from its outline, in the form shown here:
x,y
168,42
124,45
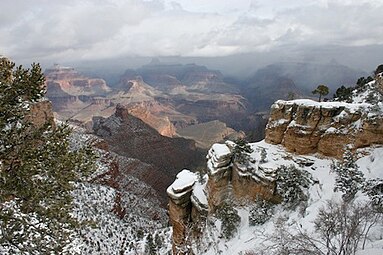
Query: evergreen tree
x,y
343,94
374,190
378,70
362,81
37,169
261,212
158,241
150,247
322,90
230,220
291,96
263,156
291,185
241,152
349,179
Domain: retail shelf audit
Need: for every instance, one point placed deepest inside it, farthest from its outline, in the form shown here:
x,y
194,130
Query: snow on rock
x,y
199,196
219,157
254,239
329,105
309,127
182,185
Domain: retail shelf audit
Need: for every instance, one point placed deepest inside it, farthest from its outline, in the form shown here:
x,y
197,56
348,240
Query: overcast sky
x,y
62,30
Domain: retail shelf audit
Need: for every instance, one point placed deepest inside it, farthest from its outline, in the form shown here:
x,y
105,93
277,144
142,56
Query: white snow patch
x,y
185,179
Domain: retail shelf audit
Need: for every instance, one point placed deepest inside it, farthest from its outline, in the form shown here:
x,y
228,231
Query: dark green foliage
x,y
230,220
150,247
263,158
362,81
261,212
241,152
373,188
374,98
140,233
158,240
291,185
37,169
379,69
349,179
343,94
322,90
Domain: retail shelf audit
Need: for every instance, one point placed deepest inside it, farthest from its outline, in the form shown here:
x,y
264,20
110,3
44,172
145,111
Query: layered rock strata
x,y
180,208
192,197
305,126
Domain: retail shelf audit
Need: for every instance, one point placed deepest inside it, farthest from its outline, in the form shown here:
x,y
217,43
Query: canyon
x,y
303,134
153,94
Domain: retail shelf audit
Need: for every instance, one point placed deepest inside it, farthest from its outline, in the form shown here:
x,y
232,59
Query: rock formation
x,y
131,137
180,209
168,76
72,93
230,109
192,198
167,97
148,113
74,83
301,127
305,126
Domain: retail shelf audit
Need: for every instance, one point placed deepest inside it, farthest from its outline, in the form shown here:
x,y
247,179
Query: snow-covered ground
x,y
256,238
97,204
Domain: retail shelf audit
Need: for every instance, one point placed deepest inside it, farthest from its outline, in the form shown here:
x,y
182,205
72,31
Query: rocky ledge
x,y
192,196
306,126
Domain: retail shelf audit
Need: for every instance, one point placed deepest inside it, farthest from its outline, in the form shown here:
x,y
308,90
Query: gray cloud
x,y
44,30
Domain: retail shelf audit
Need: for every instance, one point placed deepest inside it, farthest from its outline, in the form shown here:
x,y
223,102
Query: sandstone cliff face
x,y
180,209
149,112
73,83
72,93
192,198
305,126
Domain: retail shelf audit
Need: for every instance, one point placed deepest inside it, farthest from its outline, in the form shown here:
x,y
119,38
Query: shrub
x,y
230,220
373,188
241,152
261,212
339,228
349,179
343,94
291,185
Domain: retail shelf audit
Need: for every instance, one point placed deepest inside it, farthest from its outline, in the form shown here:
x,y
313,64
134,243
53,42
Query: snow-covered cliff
x,y
277,196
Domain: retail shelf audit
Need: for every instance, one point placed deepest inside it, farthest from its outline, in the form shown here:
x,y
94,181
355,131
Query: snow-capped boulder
x,y
181,188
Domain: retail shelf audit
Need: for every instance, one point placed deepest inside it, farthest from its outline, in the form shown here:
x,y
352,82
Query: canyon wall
x,y
305,126
192,196
301,127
